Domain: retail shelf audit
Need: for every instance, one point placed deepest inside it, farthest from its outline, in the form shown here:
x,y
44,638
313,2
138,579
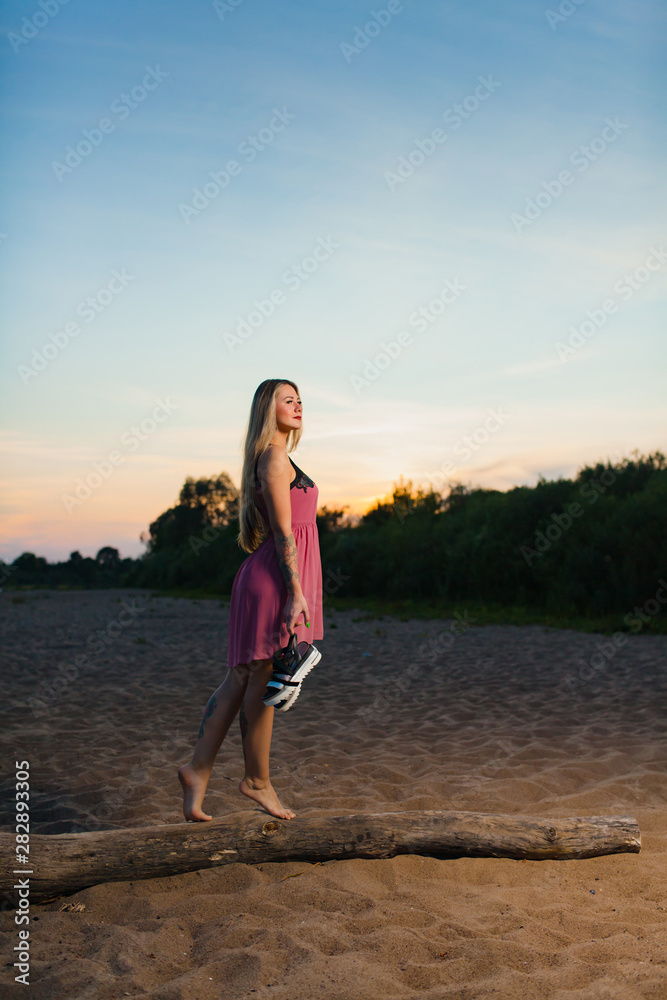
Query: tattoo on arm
x,y
208,712
288,560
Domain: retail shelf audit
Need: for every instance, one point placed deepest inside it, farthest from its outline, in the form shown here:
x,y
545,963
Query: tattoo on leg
x,y
208,712
243,721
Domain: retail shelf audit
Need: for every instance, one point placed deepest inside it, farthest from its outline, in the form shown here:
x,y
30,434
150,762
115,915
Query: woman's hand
x,y
295,605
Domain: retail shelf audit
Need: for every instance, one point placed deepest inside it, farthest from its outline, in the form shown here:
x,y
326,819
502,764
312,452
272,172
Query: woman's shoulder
x,y
272,460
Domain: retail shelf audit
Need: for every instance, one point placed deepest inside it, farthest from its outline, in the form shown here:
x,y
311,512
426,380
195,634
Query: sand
x,y
490,723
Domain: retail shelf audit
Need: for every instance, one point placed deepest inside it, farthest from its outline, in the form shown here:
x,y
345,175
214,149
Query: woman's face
x,y
288,408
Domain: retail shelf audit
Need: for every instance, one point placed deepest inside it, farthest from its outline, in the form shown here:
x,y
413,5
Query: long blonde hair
x,y
262,426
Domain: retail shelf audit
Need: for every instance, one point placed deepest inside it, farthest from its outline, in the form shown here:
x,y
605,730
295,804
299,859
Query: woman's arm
x,y
275,474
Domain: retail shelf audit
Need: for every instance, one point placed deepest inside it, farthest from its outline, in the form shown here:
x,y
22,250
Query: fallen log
x,y
67,862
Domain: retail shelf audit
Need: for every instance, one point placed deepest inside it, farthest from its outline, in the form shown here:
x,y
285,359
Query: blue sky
x,y
162,95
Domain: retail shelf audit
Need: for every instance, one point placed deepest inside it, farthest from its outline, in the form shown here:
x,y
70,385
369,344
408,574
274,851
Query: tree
x,y
403,503
29,570
108,558
216,498
202,503
330,519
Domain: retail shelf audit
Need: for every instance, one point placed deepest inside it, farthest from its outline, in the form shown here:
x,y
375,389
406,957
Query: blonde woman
x,y
277,585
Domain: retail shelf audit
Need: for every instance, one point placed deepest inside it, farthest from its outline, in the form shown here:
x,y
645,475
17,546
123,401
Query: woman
x,y
278,583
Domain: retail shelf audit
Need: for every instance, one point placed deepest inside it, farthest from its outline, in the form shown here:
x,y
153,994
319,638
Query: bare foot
x,y
266,797
194,788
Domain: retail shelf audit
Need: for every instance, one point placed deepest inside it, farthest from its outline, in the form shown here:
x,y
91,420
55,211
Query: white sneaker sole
x,y
293,693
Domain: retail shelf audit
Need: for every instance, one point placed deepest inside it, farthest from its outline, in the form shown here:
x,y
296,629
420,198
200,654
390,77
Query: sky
x,y
444,221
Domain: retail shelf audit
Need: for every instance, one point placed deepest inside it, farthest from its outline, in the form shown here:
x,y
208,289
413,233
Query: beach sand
x,y
490,724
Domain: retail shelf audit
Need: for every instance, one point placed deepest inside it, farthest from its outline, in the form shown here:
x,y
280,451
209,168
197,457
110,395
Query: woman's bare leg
x,y
256,729
219,714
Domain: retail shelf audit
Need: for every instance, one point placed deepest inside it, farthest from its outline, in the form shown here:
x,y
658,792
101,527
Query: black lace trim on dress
x,y
301,480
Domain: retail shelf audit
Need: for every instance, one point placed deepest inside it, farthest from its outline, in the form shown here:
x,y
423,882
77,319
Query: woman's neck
x,y
279,439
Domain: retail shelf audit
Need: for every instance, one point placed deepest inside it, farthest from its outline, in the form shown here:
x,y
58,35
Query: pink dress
x,y
259,591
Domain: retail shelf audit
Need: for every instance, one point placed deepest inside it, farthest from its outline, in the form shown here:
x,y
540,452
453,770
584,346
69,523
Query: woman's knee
x,y
259,672
236,679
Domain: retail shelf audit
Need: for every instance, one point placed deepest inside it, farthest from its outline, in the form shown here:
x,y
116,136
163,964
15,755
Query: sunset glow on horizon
x,y
444,229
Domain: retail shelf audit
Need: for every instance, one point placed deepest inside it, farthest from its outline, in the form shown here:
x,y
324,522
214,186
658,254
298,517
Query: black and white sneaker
x,y
290,665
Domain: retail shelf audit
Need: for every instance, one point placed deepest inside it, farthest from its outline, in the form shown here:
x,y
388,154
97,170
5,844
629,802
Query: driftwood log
x,y
67,862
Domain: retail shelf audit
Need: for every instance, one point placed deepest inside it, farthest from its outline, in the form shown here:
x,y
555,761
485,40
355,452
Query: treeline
x,y
589,546
107,569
